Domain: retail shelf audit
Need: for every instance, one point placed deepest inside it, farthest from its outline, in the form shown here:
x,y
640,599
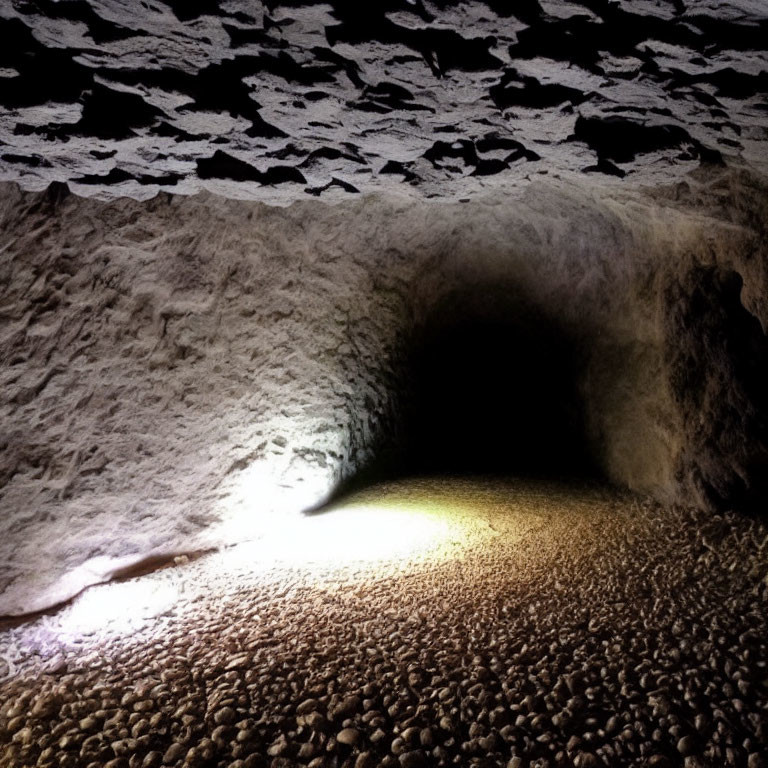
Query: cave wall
x,y
178,371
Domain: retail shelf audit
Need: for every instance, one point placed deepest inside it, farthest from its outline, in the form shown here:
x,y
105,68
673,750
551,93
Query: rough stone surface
x,y
176,371
549,626
280,100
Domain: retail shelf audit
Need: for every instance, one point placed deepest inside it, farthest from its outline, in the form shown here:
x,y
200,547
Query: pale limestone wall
x,y
178,371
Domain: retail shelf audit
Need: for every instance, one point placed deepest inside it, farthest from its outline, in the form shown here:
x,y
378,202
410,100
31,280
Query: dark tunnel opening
x,y
495,389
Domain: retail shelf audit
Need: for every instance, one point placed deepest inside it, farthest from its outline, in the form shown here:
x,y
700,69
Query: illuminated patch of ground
x,y
418,624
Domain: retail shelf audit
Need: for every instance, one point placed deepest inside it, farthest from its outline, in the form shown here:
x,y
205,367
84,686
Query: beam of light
x,y
374,530
369,533
358,533
264,495
117,608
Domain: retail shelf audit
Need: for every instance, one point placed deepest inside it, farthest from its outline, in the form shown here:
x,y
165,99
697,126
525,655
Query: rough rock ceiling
x,y
446,99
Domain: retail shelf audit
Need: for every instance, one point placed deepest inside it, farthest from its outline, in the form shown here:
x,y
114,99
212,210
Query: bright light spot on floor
x,y
376,534
366,536
119,607
370,530
353,534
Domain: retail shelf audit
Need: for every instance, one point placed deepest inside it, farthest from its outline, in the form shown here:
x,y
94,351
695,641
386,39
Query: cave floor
x,y
423,623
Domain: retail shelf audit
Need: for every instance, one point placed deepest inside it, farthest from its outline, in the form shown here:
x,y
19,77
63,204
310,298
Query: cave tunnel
x,y
383,385
495,392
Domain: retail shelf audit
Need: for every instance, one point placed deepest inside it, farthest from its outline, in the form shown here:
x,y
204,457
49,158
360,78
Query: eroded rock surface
x,y
174,371
283,100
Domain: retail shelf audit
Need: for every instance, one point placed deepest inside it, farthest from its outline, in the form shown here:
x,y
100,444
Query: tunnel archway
x,y
494,388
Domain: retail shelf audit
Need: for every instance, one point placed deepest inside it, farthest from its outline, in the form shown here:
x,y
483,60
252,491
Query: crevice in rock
x,y
224,166
515,90
621,140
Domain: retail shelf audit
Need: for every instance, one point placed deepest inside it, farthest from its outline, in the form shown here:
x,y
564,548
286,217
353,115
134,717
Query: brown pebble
x,y
348,736
413,759
173,753
225,716
686,745
152,760
365,760
88,723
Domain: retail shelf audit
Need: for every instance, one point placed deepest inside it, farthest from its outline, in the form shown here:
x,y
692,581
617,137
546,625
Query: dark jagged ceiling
x,y
277,100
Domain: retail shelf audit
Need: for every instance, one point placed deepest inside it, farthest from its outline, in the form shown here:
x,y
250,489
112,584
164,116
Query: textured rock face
x,y
175,370
441,99
589,293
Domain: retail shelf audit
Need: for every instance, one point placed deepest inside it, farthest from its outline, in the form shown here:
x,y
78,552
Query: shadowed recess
x,y
495,391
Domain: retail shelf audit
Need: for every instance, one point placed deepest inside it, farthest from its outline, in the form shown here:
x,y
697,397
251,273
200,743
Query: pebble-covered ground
x,y
428,624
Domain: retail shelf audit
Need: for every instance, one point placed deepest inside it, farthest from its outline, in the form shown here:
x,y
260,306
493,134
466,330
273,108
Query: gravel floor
x,y
428,624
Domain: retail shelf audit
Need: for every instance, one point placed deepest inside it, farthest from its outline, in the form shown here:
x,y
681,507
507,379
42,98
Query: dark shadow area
x,y
719,361
494,394
489,385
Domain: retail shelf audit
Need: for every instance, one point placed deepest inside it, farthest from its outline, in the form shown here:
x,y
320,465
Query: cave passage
x,y
498,394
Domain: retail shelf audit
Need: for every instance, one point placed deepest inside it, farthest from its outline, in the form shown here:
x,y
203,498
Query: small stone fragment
x,y
413,759
348,736
686,745
225,716
173,753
